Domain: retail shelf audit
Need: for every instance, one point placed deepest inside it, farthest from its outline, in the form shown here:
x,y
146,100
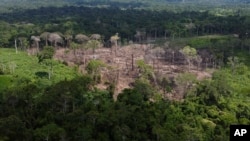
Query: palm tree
x,y
114,40
55,38
81,38
94,42
95,37
68,38
44,36
36,39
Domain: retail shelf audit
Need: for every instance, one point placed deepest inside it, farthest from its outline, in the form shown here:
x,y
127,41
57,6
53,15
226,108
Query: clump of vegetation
x,y
93,69
18,67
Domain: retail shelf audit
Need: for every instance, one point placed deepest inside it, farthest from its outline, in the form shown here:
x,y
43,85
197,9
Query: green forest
x,y
123,70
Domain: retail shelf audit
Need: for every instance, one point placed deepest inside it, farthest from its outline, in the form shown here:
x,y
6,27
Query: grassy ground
x,y
4,81
21,68
200,41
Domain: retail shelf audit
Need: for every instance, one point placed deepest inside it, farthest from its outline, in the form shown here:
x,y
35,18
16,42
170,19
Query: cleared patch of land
x,y
122,69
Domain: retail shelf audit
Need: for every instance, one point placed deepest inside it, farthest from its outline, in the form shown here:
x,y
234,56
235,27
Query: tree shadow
x,y
42,74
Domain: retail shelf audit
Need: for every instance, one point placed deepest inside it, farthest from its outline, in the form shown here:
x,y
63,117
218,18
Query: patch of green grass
x,y
5,81
23,68
208,40
198,41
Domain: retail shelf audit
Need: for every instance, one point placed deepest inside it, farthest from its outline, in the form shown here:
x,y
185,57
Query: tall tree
x,y
46,57
189,53
23,42
93,44
44,36
82,40
36,39
16,45
114,39
55,38
68,36
93,68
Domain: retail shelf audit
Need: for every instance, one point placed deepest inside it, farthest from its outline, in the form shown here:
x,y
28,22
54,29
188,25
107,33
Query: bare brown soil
x,y
122,69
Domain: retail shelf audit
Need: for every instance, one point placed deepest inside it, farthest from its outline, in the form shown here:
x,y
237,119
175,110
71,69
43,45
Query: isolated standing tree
x,y
189,53
16,45
68,37
114,40
173,56
198,60
82,40
36,39
55,38
44,36
74,46
46,57
94,44
93,68
23,42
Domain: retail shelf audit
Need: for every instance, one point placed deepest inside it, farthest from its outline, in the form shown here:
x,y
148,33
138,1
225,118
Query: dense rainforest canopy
x,y
127,23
